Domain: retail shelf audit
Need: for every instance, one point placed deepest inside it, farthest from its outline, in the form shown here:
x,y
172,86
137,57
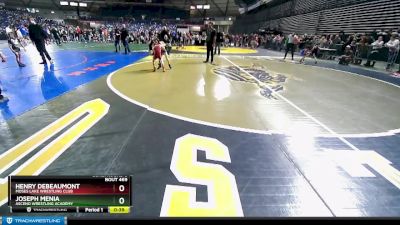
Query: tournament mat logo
x,y
269,80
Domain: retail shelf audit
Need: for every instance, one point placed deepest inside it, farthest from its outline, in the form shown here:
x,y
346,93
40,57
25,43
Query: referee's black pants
x,y
210,50
41,47
290,46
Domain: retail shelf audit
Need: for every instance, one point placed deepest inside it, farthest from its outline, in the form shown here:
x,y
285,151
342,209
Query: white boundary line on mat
x,y
247,130
315,120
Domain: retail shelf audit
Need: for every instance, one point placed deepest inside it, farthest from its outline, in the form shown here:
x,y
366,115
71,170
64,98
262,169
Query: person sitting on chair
x,y
376,46
347,57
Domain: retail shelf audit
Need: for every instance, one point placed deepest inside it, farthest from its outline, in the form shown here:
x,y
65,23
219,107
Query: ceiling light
x,y
63,3
199,6
82,4
206,7
73,3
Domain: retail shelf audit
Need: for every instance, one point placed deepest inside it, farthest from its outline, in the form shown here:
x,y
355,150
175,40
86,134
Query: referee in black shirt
x,y
124,38
38,36
210,41
166,38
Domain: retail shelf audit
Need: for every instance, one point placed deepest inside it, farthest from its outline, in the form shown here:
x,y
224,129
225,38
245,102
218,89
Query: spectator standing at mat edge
x,y
3,57
2,97
399,69
393,45
124,36
292,40
220,40
13,43
38,37
56,34
117,39
210,41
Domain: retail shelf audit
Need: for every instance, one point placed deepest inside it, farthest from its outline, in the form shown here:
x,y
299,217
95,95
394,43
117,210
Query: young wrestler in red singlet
x,y
157,55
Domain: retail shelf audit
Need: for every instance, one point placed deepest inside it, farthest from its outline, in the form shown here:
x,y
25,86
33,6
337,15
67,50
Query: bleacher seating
x,y
324,16
300,24
306,6
361,18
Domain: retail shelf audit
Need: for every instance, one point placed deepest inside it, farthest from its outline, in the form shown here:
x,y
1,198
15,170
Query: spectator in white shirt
x,y
278,42
290,45
393,45
8,30
376,47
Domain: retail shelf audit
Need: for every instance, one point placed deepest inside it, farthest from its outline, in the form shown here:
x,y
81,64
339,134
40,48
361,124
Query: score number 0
x,y
121,188
223,195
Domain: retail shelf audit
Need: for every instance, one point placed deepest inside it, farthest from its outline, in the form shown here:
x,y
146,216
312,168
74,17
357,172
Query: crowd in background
x,y
17,20
375,45
350,48
138,32
372,46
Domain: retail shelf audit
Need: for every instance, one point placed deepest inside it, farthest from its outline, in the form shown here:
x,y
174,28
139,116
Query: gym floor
x,y
294,140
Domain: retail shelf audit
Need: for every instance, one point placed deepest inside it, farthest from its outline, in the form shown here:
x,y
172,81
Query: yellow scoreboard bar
x,y
119,209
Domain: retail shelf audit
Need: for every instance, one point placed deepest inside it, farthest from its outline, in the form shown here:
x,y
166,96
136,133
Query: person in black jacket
x,y
220,40
165,37
2,97
124,39
210,41
117,38
38,36
56,35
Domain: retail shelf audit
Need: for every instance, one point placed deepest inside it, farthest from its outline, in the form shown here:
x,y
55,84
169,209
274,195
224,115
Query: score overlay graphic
x,y
93,194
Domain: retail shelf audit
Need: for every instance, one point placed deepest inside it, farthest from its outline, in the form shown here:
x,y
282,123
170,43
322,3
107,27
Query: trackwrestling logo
x,y
56,220
268,80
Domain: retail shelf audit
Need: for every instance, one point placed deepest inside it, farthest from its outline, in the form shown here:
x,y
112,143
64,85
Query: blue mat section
x,y
36,84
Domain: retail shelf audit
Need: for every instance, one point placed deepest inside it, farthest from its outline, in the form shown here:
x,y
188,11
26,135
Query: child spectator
x,y
13,43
